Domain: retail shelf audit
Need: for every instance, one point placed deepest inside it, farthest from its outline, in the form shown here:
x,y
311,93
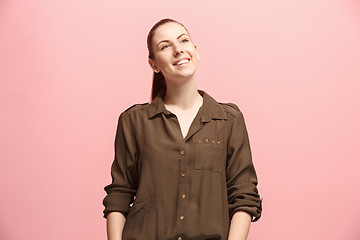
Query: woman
x,y
185,156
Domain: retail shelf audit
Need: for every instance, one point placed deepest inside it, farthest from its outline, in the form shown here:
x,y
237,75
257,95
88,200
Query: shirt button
x,y
182,152
183,196
182,217
183,174
179,238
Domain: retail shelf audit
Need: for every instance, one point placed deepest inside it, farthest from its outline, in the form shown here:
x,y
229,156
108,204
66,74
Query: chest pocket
x,y
208,155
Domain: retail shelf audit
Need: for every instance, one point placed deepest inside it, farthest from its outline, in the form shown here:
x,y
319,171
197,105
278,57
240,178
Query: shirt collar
x,y
211,109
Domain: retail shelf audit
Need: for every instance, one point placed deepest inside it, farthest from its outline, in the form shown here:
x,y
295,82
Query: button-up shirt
x,y
171,187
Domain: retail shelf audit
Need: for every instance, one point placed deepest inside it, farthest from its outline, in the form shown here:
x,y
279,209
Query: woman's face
x,y
175,55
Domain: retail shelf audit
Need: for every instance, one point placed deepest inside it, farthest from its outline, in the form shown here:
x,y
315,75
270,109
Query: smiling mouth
x,y
182,62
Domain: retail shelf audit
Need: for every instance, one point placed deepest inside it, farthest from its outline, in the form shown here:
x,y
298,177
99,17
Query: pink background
x,y
68,68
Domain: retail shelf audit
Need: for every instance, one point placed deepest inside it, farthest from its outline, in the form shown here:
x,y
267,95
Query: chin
x,y
185,75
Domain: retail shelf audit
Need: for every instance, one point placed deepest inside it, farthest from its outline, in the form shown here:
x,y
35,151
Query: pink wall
x,y
68,68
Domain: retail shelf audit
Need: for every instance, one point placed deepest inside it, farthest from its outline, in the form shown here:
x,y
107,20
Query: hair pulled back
x,y
159,82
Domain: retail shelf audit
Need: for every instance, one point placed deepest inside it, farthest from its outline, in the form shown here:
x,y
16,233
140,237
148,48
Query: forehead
x,y
168,31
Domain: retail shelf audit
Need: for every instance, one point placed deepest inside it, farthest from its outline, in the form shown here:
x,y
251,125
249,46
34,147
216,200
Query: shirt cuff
x,y
116,202
252,207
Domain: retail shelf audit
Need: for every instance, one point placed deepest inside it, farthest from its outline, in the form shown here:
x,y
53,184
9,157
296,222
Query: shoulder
x,y
136,108
231,108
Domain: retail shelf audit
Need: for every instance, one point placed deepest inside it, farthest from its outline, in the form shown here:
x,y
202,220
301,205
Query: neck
x,y
183,95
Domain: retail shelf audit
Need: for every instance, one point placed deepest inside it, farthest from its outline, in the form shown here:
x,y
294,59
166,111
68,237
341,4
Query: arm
x,y
115,225
121,192
239,226
243,198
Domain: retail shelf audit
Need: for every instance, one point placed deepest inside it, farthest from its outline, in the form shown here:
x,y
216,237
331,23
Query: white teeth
x,y
182,61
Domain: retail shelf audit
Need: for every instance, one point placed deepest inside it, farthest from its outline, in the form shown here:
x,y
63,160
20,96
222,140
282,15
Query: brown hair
x,y
159,82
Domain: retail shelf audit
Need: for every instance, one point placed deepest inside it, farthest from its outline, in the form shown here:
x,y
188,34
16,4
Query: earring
x,y
156,71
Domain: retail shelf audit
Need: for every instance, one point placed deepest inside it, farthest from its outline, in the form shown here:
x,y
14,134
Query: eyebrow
x,y
169,41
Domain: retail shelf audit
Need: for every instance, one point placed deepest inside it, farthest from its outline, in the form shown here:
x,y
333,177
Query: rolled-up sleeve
x,y
121,192
240,172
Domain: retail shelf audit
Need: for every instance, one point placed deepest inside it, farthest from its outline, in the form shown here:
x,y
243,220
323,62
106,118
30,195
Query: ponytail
x,y
158,84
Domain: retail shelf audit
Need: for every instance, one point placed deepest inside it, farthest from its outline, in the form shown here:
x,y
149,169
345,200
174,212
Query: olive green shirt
x,y
185,188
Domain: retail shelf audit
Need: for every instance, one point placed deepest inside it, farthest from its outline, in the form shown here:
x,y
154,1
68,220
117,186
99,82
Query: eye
x,y
163,47
185,40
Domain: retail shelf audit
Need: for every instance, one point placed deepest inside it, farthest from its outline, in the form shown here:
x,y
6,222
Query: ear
x,y
197,53
152,64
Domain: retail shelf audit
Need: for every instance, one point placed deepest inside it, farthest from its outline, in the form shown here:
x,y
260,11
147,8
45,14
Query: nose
x,y
177,49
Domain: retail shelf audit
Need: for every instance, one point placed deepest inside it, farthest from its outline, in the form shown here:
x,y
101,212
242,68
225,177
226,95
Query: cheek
x,y
193,52
160,62
195,58
163,58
